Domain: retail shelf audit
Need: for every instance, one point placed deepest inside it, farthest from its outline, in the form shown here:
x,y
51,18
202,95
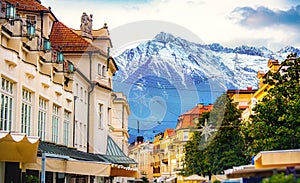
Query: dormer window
x,y
71,67
31,25
30,30
60,57
10,11
47,45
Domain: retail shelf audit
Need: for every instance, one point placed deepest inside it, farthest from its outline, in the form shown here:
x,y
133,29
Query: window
x,y
76,94
31,19
81,93
100,116
103,71
42,118
85,135
100,179
81,136
76,133
55,119
6,107
99,69
67,116
26,111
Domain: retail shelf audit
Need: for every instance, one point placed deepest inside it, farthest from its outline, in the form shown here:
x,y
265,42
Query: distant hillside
x,y
164,77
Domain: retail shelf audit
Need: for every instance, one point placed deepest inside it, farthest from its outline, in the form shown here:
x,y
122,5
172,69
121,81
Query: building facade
x,y
167,149
57,101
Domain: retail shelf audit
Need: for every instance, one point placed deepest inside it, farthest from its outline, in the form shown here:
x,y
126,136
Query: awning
x,y
160,179
279,158
194,178
121,171
70,166
170,179
115,155
64,159
120,162
17,147
257,172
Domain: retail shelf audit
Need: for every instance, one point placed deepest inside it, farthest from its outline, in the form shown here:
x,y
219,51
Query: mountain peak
x,y
164,37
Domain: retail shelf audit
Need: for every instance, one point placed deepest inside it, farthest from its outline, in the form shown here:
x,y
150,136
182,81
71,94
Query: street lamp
x,y
10,11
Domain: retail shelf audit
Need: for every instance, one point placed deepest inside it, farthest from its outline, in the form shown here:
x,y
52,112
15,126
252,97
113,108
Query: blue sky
x,y
270,23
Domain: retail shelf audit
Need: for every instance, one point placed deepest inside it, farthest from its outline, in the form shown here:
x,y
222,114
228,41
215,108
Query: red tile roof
x,y
169,132
63,36
28,5
186,120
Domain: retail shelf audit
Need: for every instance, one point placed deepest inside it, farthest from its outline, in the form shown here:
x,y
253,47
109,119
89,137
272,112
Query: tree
x,y
281,178
224,149
276,122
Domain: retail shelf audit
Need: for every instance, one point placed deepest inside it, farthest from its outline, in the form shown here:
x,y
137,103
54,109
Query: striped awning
x,y
18,147
115,155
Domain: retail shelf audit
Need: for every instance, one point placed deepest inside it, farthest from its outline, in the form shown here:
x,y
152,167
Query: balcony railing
x,y
159,151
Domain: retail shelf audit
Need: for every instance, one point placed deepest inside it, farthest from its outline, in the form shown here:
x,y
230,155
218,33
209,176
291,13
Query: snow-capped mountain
x,y
164,77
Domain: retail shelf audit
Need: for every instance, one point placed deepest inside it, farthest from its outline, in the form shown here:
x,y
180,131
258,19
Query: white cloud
x,y
208,19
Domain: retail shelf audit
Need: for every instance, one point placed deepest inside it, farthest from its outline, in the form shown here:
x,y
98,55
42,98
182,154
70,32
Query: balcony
x,y
29,70
45,66
171,147
10,57
45,80
158,151
165,160
68,84
58,76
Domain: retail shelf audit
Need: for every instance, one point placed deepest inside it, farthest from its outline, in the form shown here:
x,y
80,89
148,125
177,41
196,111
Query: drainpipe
x,y
41,40
123,127
74,120
88,112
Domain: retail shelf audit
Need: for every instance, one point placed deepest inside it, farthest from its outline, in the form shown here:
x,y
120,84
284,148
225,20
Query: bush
x,y
281,178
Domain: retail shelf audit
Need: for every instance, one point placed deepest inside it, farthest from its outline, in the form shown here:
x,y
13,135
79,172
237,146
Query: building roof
x,y
28,5
115,155
51,148
62,37
169,132
249,90
186,120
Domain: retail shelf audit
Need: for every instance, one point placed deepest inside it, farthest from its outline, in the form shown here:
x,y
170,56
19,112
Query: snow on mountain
x,y
167,76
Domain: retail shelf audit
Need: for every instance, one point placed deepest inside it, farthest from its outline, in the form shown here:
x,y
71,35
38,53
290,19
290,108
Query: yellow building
x,y
157,155
241,97
57,104
257,96
168,147
142,153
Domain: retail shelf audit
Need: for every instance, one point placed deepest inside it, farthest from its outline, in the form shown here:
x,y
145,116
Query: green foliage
x,y
32,179
145,180
216,181
281,178
222,150
276,122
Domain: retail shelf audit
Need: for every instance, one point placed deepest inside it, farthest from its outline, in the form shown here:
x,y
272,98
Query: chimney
x,y
200,105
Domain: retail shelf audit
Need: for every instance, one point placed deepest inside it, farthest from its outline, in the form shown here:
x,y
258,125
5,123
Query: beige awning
x,y
121,171
194,178
17,147
71,167
279,158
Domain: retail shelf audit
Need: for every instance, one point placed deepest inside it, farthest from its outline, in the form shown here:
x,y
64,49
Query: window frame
x,y
26,111
42,118
7,92
55,123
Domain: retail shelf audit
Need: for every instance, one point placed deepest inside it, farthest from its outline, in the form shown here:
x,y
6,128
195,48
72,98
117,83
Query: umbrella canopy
x,y
195,177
